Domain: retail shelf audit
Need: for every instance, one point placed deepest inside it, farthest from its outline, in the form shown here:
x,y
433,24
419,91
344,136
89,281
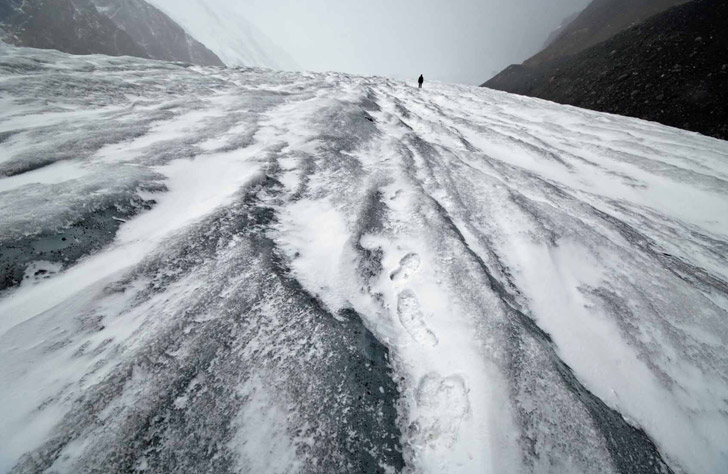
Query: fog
x,y
464,41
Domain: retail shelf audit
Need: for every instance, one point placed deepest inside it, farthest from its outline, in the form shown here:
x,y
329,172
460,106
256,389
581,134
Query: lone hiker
x,y
420,81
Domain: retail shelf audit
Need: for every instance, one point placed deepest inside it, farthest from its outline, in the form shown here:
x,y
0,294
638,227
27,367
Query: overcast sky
x,y
451,40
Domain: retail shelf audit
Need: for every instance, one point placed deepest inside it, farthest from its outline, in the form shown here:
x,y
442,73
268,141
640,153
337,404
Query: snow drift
x,y
250,271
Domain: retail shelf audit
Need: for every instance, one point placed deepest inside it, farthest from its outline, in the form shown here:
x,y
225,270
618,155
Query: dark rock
x,y
71,26
599,21
111,27
690,96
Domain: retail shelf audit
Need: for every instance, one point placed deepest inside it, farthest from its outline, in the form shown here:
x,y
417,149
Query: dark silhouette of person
x,y
420,81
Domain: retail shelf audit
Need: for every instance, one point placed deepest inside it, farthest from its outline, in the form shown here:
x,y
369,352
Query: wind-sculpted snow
x,y
237,270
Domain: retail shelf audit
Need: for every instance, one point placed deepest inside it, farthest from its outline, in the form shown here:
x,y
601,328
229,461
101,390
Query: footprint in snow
x,y
410,315
443,404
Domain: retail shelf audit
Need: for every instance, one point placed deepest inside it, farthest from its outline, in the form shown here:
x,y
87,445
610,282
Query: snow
x,y
226,32
261,437
297,272
51,174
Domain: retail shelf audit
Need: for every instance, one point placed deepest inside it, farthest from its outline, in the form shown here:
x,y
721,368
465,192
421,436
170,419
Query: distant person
x,y
420,81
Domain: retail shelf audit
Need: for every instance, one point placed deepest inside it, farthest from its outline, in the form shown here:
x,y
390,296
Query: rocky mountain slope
x,y
560,30
72,26
672,69
111,27
599,21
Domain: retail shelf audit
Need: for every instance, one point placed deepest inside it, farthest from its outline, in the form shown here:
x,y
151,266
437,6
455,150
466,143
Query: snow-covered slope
x,y
249,271
222,27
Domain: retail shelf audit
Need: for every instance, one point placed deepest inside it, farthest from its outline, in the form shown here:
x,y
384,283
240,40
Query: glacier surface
x,y
239,270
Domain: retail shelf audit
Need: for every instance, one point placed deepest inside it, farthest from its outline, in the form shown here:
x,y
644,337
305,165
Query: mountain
x,y
562,27
111,27
154,31
72,26
251,271
226,31
671,69
599,21
8,8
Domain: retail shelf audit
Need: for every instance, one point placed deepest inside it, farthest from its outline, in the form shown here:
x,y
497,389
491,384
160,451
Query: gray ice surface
x,y
239,270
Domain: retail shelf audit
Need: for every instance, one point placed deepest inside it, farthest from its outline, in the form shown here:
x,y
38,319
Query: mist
x,y
465,41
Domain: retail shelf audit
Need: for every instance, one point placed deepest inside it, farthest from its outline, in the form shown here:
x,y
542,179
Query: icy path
x,y
247,271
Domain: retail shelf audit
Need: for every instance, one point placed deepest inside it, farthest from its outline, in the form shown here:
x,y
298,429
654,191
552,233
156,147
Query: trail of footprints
x,y
408,306
443,401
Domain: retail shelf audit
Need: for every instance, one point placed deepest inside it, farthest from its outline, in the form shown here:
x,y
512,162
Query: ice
x,y
243,270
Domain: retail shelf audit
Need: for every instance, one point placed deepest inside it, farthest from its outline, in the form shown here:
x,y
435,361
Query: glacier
x,y
242,270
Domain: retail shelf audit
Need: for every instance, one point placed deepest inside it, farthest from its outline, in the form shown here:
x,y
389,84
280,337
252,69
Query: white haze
x,y
464,41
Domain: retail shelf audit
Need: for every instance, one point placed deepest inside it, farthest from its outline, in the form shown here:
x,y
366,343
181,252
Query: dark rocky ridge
x,y
672,69
71,26
599,21
116,28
